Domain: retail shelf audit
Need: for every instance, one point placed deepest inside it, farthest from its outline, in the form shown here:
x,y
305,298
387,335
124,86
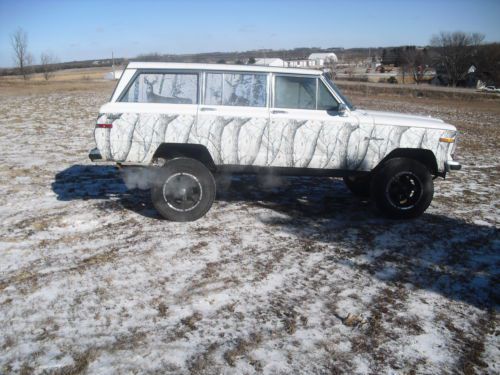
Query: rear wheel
x,y
358,185
402,188
184,190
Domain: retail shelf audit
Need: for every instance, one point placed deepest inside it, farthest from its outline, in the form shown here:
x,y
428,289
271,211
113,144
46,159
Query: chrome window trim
x,y
330,91
334,92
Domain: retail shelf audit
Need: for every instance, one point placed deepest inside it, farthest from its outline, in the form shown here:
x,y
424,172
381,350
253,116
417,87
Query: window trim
x,y
162,71
327,87
330,89
205,72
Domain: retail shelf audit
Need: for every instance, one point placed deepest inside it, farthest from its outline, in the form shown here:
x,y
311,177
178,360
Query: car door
x,y
306,129
233,118
156,107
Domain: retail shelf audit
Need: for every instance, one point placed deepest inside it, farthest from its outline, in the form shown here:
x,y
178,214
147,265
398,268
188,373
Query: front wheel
x,y
184,190
402,188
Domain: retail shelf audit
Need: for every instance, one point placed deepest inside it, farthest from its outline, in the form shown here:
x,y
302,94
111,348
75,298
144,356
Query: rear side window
x,y
173,88
295,92
236,89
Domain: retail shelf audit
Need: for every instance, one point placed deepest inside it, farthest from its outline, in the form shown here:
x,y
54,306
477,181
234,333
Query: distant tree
x,y
488,64
414,61
330,68
221,61
22,58
47,62
239,62
456,52
251,60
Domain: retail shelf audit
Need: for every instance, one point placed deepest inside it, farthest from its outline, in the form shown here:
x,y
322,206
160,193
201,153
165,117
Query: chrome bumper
x,y
452,165
95,155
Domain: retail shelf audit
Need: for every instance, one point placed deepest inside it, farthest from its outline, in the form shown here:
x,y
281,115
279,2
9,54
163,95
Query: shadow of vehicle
x,y
448,256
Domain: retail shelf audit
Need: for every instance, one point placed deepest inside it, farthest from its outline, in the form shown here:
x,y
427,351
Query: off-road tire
x,y
183,190
359,185
402,188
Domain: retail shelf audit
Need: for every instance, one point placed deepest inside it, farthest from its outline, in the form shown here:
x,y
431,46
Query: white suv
x,y
190,121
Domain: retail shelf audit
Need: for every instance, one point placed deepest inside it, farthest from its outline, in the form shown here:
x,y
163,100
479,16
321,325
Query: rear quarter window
x,y
170,88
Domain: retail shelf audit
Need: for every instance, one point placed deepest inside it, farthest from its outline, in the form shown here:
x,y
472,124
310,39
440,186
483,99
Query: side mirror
x,y
342,110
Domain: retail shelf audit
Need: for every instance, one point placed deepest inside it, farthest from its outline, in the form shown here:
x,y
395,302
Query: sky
x,y
81,30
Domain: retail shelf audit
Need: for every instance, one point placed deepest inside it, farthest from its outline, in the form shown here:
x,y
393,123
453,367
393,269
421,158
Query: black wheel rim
x,y
182,192
404,190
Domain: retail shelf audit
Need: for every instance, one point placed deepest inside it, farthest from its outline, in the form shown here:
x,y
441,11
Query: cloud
x,y
99,29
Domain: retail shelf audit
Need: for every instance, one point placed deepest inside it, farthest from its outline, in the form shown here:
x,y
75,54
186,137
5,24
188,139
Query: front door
x,y
306,129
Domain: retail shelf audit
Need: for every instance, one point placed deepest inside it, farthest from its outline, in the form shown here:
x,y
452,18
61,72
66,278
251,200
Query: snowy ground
x,y
282,276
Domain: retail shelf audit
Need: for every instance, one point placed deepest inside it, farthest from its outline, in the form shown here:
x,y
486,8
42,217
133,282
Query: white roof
x,y
322,55
226,67
268,60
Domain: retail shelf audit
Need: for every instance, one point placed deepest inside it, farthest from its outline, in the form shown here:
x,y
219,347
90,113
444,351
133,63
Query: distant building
x,y
315,60
298,63
270,61
320,59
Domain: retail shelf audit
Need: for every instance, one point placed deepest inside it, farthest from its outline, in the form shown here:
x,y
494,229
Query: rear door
x,y
233,117
306,129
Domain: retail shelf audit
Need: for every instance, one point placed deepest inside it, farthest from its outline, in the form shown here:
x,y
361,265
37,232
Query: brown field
x,y
87,79
283,276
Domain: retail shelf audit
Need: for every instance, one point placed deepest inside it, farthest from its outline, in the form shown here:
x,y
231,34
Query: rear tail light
x,y
104,126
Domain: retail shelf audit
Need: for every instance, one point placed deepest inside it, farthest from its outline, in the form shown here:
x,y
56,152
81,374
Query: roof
x,y
226,67
322,55
269,60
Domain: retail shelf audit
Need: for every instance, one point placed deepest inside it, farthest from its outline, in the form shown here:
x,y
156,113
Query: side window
x,y
295,92
236,89
173,88
326,101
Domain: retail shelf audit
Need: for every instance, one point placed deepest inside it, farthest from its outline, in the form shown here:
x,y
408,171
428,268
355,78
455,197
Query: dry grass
x,y
70,80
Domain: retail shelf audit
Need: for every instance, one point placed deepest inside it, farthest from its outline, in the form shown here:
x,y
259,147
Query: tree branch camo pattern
x,y
135,137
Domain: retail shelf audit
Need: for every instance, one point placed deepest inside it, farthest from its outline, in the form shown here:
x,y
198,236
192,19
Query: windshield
x,y
339,93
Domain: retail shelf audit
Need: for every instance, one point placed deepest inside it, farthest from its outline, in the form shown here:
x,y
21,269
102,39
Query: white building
x,y
298,64
315,60
270,61
320,59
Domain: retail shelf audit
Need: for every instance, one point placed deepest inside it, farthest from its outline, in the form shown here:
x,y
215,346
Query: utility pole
x,y
113,64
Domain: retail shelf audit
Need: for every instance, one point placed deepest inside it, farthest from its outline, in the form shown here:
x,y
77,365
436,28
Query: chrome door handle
x,y
208,109
277,111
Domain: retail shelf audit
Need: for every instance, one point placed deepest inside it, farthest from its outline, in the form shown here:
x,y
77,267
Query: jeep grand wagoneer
x,y
190,121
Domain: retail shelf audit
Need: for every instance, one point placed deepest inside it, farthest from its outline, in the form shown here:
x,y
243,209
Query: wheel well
x,y
426,157
188,150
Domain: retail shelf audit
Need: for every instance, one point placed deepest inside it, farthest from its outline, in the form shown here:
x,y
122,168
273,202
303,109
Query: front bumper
x,y
452,165
95,155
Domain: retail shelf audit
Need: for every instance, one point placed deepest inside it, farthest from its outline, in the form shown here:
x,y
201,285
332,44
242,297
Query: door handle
x,y
207,109
278,111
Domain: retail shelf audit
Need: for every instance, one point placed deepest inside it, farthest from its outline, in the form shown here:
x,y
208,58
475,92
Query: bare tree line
x,y
450,52
24,60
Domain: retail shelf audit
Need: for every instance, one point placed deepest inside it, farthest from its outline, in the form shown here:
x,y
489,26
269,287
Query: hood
x,y
402,119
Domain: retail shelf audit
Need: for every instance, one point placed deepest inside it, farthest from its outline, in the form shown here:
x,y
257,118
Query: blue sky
x,y
77,30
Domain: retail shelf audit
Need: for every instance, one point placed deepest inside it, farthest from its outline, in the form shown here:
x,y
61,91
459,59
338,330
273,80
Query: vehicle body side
x,y
263,137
